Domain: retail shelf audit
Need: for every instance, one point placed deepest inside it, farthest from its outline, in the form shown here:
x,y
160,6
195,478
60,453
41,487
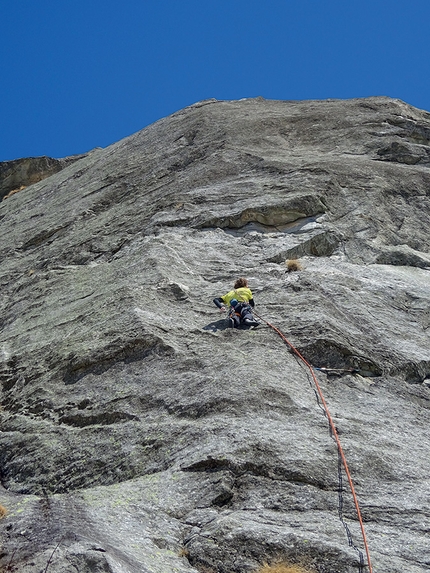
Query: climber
x,y
241,302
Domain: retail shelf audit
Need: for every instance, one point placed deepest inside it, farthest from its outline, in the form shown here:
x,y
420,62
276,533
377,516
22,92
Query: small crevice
x,y
40,238
103,418
280,473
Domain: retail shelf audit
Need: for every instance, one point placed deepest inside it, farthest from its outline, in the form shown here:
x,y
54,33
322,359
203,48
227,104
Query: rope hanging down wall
x,y
334,433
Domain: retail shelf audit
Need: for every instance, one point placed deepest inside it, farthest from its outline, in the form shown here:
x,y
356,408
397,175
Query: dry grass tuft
x,y
3,511
283,568
293,265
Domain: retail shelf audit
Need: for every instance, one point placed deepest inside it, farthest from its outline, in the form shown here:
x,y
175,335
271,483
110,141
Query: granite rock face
x,y
138,432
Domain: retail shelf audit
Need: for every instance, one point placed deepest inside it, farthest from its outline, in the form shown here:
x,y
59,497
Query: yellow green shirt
x,y
242,294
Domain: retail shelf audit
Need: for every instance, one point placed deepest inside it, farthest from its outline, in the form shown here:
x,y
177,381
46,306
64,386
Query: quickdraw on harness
x,y
342,459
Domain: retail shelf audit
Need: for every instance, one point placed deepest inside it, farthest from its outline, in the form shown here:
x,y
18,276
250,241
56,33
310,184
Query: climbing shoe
x,y
250,322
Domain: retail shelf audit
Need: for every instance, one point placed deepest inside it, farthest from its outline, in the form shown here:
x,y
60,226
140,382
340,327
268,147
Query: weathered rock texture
x,y
138,432
20,173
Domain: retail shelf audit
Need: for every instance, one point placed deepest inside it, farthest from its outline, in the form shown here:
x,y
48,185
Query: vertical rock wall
x,y
138,432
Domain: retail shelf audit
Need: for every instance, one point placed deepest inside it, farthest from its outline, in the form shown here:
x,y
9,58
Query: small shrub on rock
x,y
293,265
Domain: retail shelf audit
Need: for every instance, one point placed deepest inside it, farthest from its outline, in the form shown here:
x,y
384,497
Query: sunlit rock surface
x,y
138,433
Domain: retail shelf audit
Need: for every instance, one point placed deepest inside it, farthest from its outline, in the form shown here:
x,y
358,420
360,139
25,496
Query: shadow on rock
x,y
224,325
217,325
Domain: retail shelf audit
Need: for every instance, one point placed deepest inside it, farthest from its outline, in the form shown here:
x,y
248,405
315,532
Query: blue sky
x,y
79,74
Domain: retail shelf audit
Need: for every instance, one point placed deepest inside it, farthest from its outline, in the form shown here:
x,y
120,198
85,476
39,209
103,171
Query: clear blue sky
x,y
79,74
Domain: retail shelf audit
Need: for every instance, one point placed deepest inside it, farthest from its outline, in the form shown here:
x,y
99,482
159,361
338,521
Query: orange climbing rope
x,y
333,430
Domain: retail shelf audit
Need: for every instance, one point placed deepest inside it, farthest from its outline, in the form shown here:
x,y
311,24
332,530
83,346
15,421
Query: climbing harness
x,y
240,312
342,459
